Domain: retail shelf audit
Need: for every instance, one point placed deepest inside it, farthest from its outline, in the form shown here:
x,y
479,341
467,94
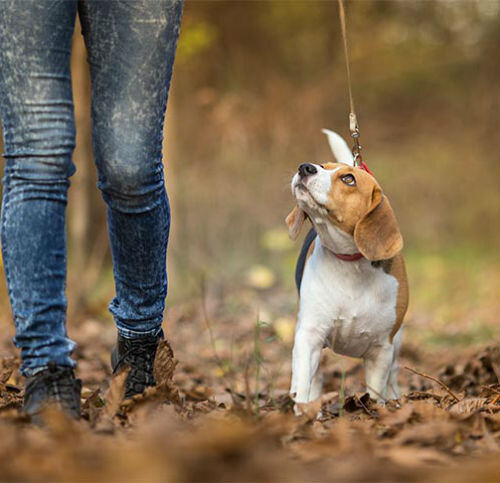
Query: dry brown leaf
x,y
396,417
165,364
5,375
116,392
468,406
411,457
439,433
358,402
426,410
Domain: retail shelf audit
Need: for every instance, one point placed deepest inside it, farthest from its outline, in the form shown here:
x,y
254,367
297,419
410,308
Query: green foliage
x,y
196,39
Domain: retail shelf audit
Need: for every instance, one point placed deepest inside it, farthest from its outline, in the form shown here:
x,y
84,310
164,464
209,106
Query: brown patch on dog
x,y
377,234
348,204
364,212
331,166
398,271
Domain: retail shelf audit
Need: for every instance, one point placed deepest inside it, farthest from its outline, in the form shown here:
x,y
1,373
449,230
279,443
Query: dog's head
x,y
346,202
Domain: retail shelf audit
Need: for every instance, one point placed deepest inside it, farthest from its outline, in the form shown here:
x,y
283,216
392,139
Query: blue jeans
x,y
131,47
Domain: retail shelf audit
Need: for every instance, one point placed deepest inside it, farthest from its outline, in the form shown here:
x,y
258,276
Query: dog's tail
x,y
339,147
301,261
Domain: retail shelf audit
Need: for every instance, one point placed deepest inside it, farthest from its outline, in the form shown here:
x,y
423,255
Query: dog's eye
x,y
348,179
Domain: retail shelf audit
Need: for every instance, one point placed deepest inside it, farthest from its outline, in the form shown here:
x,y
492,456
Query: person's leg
x,y
131,47
38,130
39,136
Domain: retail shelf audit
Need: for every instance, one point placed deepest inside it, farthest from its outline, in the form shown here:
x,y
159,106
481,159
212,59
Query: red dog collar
x,y
348,258
362,165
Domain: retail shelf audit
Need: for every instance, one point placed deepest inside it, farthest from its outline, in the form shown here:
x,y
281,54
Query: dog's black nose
x,y
306,169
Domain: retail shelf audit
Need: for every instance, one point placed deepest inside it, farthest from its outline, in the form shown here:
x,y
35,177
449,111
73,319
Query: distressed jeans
x,y
131,47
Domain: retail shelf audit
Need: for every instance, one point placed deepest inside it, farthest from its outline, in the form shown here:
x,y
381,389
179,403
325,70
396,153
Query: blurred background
x,y
254,84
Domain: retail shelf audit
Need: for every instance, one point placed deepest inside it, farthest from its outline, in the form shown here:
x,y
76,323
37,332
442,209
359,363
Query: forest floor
x,y
224,413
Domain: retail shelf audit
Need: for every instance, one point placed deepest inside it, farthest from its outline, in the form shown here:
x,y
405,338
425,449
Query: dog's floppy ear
x,y
377,234
294,221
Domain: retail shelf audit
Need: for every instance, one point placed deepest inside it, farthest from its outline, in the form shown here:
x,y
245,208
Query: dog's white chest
x,y
351,303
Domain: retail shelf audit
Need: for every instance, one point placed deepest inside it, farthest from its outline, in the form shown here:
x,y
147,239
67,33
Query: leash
x,y
353,120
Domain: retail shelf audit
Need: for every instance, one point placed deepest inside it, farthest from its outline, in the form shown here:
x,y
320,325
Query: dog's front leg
x,y
305,363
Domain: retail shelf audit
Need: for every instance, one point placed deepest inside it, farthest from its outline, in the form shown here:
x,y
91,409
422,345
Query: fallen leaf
x,y
165,364
116,392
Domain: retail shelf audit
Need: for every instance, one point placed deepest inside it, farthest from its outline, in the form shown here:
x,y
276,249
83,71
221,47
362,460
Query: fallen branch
x,y
441,383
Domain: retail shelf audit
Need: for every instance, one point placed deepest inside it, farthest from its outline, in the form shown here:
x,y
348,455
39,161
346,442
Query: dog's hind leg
x,y
393,387
316,385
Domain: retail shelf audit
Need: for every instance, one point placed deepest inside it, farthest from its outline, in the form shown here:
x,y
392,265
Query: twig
x,y
496,391
342,391
368,387
438,381
246,378
256,356
373,414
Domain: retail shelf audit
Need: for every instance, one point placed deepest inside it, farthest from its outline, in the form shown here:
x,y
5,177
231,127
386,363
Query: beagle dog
x,y
351,276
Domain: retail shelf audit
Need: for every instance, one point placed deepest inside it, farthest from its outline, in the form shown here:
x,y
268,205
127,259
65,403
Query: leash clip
x,y
356,152
356,149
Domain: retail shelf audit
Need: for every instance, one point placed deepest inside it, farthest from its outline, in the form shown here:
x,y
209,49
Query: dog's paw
x,y
312,410
298,409
308,411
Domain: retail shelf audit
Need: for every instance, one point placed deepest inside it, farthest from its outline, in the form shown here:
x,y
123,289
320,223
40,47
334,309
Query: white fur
x,y
317,187
339,147
350,307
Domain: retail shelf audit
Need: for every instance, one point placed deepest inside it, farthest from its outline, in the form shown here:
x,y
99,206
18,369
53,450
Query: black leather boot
x,y
139,355
54,385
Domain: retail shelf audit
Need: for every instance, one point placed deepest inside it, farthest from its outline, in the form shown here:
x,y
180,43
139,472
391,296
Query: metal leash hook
x,y
356,149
